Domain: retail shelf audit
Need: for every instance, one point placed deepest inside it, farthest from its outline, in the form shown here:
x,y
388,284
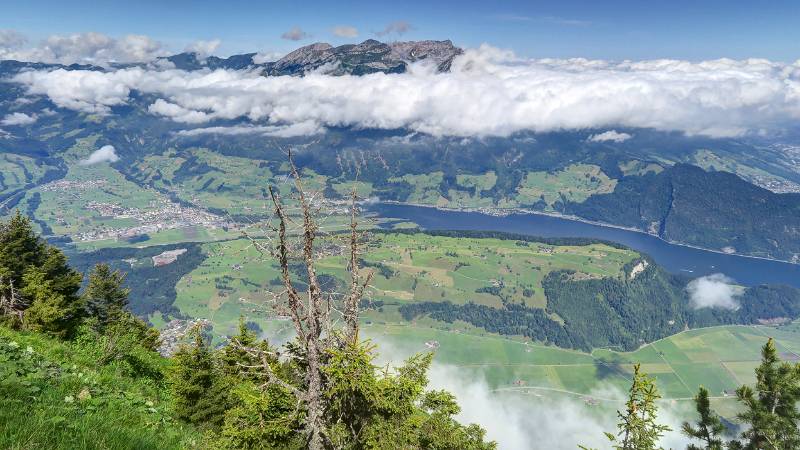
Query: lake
x,y
675,258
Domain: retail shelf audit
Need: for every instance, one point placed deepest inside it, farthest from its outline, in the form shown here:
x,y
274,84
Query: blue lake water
x,y
675,258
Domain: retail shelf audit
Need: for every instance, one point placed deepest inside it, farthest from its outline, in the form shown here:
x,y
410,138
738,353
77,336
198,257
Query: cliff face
x,y
369,56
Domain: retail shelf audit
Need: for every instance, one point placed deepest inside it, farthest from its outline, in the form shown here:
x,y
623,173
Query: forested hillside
x,y
715,210
619,312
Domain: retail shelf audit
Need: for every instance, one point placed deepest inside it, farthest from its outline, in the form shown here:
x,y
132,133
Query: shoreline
x,y
504,212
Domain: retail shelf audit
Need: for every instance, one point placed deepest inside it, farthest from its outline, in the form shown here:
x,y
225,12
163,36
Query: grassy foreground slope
x,y
55,395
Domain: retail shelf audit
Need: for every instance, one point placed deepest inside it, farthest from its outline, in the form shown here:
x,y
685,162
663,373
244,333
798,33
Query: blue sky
x,y
630,29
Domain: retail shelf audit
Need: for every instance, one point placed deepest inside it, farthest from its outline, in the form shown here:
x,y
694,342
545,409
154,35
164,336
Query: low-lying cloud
x,y
204,48
10,39
714,291
84,48
610,136
18,119
285,131
524,421
525,418
488,92
106,153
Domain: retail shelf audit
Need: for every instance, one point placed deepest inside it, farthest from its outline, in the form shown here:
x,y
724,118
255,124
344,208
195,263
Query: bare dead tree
x,y
358,283
311,311
11,303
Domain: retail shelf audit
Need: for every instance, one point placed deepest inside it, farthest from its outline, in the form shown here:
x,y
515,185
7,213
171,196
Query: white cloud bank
x,y
521,419
18,119
488,93
610,136
714,291
204,48
105,153
85,48
91,48
284,131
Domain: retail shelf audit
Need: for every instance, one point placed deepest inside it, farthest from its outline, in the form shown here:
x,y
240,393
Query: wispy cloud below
x,y
714,291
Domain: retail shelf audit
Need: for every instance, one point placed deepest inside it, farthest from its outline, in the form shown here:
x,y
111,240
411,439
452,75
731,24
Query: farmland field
x,y
575,183
234,279
720,358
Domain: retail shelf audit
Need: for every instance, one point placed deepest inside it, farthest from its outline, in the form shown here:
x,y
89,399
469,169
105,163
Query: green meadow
x,y
18,171
236,279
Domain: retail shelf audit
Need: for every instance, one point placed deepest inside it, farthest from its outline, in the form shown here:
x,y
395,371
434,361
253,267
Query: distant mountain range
x,y
367,57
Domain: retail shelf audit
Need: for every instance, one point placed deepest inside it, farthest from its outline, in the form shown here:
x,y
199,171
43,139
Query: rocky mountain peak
x,y
367,57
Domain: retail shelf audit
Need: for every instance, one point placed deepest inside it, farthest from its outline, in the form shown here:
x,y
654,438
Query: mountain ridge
x,y
369,56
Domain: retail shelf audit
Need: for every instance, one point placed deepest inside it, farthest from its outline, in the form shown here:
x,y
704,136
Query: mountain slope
x,y
715,210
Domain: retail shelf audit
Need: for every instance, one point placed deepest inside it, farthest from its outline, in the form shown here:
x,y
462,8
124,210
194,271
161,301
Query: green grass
x,y
480,182
235,185
709,160
66,210
425,188
637,167
18,171
120,412
575,183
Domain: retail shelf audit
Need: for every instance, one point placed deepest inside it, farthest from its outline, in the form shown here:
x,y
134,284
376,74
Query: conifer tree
x,y
771,413
39,279
638,427
201,396
240,357
105,297
20,247
708,428
49,311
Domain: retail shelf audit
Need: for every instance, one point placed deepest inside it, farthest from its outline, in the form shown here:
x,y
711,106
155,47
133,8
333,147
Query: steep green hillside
x,y
715,210
55,395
